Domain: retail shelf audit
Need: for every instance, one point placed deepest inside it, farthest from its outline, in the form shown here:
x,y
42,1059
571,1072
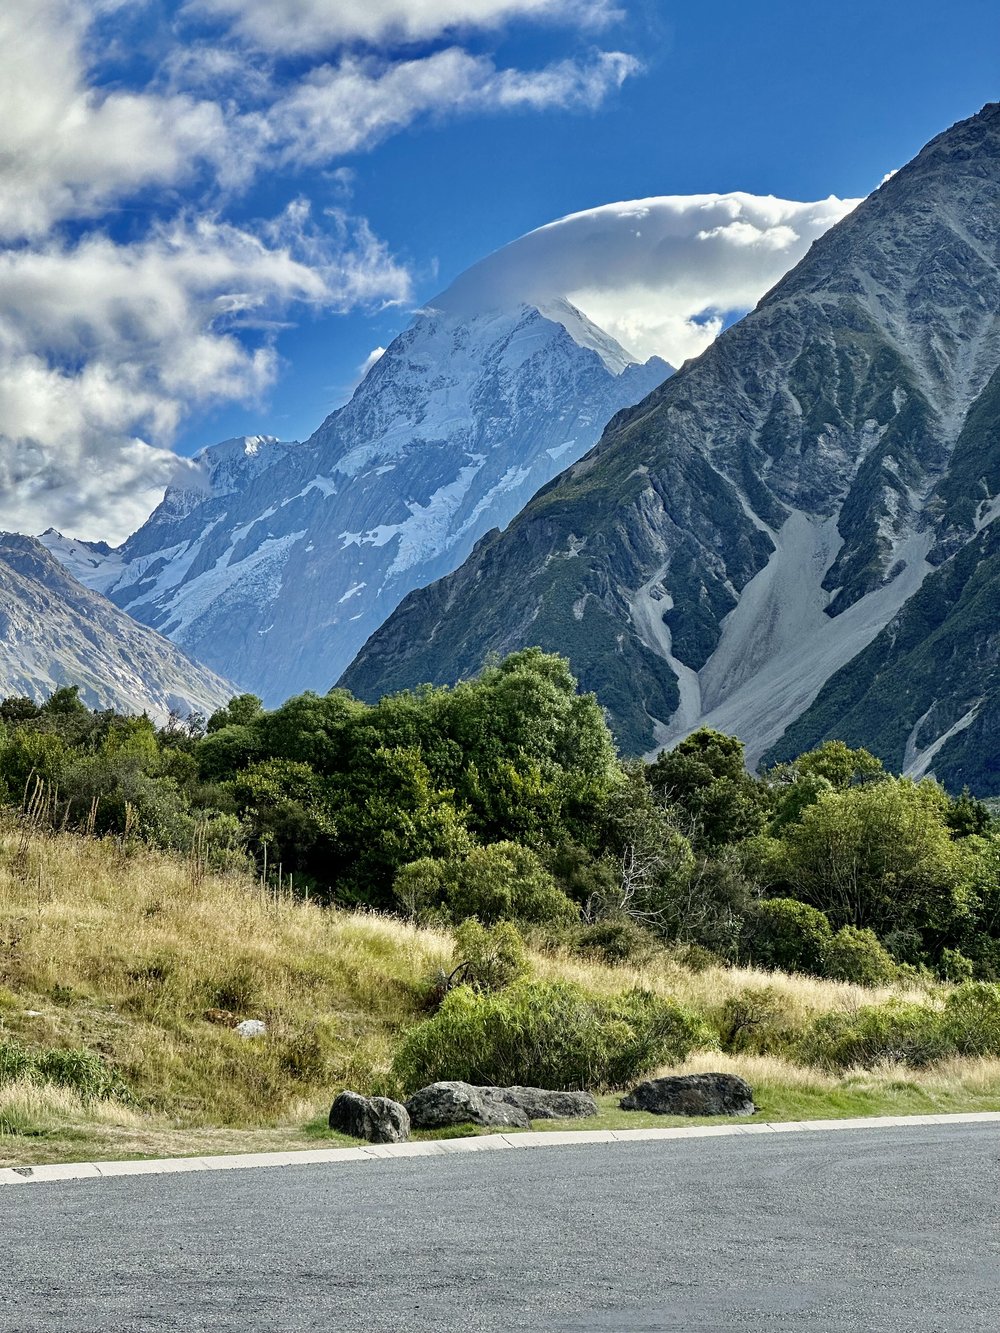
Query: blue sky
x,y
211,211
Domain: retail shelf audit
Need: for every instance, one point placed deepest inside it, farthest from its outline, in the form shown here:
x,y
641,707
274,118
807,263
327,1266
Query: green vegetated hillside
x,y
467,882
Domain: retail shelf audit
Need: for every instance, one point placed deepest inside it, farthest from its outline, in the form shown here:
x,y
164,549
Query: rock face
x,y
56,632
457,1103
798,525
692,1094
543,1104
281,563
377,1119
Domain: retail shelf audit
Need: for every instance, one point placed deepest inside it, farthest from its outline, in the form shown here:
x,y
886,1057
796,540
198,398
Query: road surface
x,y
887,1230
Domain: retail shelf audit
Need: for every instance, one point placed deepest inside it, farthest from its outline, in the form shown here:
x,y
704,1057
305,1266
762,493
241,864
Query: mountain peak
x,y
738,540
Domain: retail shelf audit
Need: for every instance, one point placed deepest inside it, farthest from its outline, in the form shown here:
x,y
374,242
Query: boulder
x,y
543,1104
377,1119
692,1094
457,1103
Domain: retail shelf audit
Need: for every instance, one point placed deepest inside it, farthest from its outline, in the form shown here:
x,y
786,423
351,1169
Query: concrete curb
x,y
373,1152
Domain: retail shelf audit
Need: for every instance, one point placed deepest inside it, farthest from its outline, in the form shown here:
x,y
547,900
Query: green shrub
x,y
490,957
858,956
507,882
82,1070
551,1034
617,939
785,934
955,966
912,1034
971,1018
969,1024
757,1019
696,958
501,882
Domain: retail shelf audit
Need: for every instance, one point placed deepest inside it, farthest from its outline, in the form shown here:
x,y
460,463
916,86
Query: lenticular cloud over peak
x,y
661,275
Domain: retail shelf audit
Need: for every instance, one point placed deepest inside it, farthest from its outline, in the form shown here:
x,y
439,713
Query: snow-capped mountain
x,y
282,559
55,632
796,533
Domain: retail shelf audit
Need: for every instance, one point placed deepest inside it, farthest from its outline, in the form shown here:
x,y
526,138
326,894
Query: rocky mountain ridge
x,y
736,543
56,632
286,557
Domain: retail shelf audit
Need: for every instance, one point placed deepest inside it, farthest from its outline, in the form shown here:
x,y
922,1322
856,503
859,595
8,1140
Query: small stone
x,y
222,1017
251,1027
692,1094
377,1119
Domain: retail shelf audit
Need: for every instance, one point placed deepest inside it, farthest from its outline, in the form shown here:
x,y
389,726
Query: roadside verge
x,y
373,1152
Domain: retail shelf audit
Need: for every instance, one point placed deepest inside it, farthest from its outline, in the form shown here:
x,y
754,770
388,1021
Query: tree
x,y
967,816
832,766
651,860
705,775
501,882
880,856
787,934
240,711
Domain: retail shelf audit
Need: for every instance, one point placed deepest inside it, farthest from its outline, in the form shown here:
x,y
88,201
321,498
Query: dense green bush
x,y
757,1019
500,882
916,1034
858,956
548,1034
912,1034
971,1019
489,957
83,1071
788,935
617,939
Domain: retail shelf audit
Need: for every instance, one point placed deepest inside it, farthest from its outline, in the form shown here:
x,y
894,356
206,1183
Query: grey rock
x,y
692,1094
377,1119
251,1027
457,1103
544,1104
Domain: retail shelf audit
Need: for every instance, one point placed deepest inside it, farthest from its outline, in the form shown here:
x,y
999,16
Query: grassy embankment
x,y
123,953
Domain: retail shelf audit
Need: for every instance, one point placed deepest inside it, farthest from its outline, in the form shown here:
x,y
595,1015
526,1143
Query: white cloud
x,y
67,150
357,103
659,274
374,356
312,26
102,344
106,346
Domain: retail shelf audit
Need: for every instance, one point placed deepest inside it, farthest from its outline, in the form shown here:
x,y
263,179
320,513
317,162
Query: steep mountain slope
x,y
750,528
284,561
54,632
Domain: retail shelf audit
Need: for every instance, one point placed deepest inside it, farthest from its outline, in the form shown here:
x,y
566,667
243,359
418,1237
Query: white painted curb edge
x,y
371,1152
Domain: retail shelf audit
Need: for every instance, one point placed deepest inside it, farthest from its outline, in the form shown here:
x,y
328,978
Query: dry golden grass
x,y
123,952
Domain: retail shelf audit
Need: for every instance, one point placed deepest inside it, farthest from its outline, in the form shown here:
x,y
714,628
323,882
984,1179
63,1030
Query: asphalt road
x,y
883,1230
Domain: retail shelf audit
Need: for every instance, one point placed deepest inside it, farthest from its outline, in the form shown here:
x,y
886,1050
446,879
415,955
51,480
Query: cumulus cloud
x,y
68,150
104,345
117,322
661,275
359,102
304,26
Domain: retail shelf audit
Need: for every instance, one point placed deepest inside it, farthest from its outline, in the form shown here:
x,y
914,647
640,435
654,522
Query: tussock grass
x,y
122,951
